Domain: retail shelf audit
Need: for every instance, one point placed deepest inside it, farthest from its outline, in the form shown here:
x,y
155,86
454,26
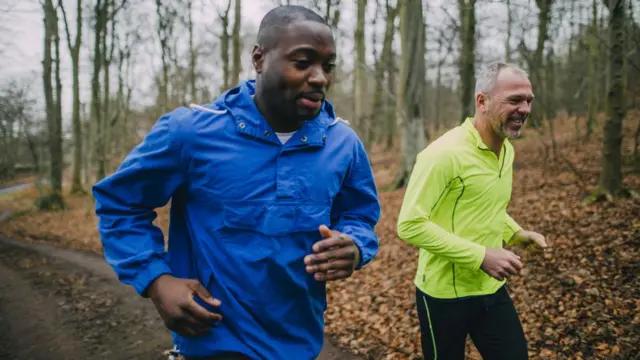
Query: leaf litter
x,y
579,299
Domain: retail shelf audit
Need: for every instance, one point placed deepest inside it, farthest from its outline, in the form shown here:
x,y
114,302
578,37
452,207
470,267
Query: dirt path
x,y
62,304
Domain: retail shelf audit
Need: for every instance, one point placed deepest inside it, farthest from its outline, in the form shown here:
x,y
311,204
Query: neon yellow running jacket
x,y
454,208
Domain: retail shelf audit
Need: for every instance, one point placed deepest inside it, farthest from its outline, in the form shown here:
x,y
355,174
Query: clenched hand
x,y
335,256
174,300
500,263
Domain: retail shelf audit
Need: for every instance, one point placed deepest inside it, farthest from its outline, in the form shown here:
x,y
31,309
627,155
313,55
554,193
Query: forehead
x,y
512,82
311,35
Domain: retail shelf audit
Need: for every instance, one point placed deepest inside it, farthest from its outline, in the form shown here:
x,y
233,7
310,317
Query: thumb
x,y
325,231
542,242
205,295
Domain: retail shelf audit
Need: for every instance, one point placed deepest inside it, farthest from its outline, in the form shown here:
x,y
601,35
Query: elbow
x,y
406,231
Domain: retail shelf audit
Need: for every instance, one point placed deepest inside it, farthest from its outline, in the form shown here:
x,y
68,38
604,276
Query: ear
x,y
257,58
482,102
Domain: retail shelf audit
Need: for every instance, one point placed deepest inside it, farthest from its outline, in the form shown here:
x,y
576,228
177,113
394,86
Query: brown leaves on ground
x,y
580,299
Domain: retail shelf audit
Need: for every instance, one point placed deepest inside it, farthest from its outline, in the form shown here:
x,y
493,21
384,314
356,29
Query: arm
x,y
510,229
430,180
125,203
356,209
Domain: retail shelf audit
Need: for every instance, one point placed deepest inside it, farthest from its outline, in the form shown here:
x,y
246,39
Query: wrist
x,y
358,257
519,237
152,290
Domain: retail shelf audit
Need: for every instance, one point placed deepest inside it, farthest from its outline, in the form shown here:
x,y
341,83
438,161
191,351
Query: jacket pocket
x,y
260,248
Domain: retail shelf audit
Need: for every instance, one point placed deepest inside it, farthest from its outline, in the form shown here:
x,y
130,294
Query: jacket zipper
x,y
504,155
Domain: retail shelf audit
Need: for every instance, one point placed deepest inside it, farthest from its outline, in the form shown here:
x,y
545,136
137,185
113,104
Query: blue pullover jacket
x,y
245,210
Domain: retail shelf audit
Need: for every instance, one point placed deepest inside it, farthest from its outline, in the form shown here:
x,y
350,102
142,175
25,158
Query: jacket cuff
x,y
147,276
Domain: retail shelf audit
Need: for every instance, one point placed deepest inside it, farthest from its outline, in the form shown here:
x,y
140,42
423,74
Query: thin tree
x,y
51,76
467,56
74,50
410,92
359,70
610,182
237,45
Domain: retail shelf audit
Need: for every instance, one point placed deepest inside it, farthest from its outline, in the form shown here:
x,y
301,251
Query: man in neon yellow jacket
x,y
454,211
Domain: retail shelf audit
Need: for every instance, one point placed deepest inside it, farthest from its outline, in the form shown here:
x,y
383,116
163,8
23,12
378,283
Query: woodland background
x,y
105,70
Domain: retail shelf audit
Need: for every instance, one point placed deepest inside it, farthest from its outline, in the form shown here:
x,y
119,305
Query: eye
x,y
329,67
302,64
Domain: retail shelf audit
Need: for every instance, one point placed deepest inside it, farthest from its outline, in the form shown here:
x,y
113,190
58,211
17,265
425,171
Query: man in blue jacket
x,y
271,196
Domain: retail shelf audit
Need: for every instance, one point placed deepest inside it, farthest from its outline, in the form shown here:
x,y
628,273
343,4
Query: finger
x,y
515,261
541,241
333,275
510,270
199,314
185,322
335,241
325,231
204,294
330,266
326,256
190,331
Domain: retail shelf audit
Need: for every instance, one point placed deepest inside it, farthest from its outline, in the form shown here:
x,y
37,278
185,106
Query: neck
x,y
278,121
487,134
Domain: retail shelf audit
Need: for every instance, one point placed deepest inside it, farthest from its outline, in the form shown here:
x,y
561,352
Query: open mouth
x,y
311,100
516,121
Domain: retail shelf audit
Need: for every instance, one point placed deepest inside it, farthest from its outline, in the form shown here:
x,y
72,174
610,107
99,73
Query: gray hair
x,y
488,75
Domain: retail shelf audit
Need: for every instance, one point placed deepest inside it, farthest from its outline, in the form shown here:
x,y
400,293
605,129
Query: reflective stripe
x,y
433,337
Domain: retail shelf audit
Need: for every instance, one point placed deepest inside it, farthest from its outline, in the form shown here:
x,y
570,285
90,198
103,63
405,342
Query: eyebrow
x,y
307,50
520,96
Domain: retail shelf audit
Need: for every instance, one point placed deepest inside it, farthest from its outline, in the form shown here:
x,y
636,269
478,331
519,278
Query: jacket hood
x,y
238,101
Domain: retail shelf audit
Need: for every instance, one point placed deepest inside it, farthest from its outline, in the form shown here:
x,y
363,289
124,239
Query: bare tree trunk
x,y
224,47
54,116
74,50
100,14
436,105
109,49
410,93
55,141
165,20
610,182
538,75
509,25
467,57
237,46
193,56
390,104
591,71
359,71
384,65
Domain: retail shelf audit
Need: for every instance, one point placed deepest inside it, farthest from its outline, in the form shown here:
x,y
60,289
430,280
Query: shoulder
x,y
340,129
446,149
183,124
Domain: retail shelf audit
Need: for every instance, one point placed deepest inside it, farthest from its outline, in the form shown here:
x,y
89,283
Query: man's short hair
x,y
279,18
488,75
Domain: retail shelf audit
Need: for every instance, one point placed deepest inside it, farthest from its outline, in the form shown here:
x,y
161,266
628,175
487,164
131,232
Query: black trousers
x,y
490,320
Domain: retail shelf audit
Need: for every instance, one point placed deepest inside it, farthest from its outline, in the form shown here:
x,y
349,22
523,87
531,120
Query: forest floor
x,y
579,299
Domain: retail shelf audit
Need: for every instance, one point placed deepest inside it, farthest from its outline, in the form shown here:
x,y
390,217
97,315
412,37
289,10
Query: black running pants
x,y
490,320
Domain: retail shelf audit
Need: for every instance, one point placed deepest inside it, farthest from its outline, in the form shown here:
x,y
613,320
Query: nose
x,y
524,108
318,77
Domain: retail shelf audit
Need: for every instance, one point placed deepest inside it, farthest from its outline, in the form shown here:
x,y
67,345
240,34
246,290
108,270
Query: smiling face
x,y
508,105
296,72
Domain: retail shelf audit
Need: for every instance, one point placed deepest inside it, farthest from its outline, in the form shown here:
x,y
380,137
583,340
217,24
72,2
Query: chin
x,y
307,114
513,135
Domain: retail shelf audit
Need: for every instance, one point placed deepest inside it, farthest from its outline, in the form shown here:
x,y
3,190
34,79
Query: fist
x,y
500,263
334,257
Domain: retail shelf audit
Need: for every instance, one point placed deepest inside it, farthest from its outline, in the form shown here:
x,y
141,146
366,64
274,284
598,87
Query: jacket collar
x,y
475,135
239,102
